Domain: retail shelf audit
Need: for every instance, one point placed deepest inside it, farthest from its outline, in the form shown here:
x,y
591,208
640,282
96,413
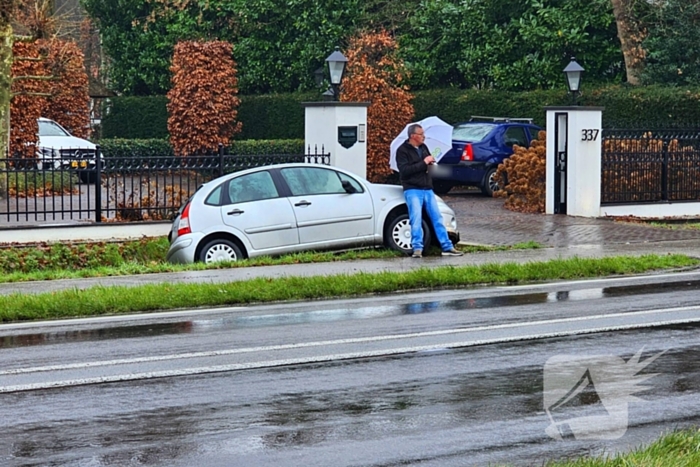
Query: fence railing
x,y
641,166
129,189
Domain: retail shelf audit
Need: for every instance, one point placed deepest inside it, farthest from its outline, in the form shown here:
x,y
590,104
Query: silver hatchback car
x,y
286,208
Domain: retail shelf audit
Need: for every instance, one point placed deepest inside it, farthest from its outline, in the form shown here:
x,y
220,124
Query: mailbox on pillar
x,y
574,137
340,128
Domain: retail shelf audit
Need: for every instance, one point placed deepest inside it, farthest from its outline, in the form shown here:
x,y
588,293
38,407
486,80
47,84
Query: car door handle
x,y
235,212
303,203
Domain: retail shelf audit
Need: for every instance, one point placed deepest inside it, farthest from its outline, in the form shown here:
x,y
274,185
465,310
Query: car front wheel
x,y
220,249
397,234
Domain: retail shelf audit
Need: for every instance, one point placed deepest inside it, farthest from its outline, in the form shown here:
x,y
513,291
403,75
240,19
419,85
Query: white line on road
x,y
357,340
319,358
595,281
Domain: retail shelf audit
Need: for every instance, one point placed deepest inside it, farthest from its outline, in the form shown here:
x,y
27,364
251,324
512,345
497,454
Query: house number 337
x,y
589,135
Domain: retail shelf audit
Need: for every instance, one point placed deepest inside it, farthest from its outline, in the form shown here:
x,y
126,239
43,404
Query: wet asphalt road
x,y
400,380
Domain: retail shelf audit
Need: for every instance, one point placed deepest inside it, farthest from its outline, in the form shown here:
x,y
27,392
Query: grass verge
x,y
65,261
113,300
677,449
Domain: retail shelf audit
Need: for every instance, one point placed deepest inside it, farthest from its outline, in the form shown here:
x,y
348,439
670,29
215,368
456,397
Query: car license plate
x,y
76,164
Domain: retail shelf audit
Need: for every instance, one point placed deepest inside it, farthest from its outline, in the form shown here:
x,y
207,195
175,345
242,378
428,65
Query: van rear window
x,y
472,132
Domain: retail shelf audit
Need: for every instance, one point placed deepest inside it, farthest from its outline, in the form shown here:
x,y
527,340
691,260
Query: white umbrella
x,y
438,138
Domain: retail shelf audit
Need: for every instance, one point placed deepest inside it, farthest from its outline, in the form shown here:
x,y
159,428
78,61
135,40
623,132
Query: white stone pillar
x,y
574,139
341,129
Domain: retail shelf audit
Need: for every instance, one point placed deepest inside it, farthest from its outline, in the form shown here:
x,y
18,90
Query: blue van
x,y
478,146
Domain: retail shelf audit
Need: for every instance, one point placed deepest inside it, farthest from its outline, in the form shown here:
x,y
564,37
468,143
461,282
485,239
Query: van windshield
x,y
472,132
49,128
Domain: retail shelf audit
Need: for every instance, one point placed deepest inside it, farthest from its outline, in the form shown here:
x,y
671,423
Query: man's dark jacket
x,y
413,170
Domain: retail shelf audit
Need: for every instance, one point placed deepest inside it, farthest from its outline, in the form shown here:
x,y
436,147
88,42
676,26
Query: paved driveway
x,y
485,220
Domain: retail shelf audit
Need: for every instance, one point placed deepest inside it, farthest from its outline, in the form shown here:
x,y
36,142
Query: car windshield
x,y
49,128
472,132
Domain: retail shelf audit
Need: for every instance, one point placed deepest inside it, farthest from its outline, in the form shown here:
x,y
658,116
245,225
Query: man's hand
x,y
429,160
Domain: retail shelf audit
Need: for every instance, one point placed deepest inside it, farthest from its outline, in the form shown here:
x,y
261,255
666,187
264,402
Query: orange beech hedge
x,y
65,83
526,176
375,75
203,102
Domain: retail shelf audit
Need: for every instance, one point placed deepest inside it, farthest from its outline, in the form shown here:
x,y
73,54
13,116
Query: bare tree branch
x,y
29,59
27,93
38,78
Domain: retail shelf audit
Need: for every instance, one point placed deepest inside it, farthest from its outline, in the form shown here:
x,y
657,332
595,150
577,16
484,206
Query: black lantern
x,y
336,66
573,72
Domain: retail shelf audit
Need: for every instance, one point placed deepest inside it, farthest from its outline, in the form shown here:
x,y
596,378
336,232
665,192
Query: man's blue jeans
x,y
417,200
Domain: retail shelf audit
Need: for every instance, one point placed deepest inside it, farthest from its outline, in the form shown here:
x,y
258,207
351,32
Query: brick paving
x,y
484,220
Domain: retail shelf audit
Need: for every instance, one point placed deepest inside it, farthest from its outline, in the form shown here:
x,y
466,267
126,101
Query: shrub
x,y
144,117
523,177
202,102
376,76
48,183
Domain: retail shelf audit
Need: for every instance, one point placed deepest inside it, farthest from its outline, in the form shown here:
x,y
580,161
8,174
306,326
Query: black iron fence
x,y
129,189
641,166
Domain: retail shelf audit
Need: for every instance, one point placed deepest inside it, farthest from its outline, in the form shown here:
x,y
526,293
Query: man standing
x,y
413,159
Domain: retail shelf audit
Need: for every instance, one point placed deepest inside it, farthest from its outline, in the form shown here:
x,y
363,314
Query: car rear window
x,y
472,132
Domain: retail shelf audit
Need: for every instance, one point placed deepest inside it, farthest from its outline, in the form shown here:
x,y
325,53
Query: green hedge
x,y
130,148
135,117
281,116
275,116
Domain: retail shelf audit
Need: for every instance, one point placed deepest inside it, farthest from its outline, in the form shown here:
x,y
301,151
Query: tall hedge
x,y
135,117
281,116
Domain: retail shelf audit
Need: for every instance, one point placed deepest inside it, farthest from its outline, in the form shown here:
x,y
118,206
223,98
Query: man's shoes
x,y
417,254
452,252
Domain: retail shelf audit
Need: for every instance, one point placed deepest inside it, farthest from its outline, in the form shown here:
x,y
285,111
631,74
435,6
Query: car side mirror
x,y
348,187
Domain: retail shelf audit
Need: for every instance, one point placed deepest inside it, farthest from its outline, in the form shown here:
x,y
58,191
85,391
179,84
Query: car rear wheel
x,y
220,249
441,187
489,183
397,234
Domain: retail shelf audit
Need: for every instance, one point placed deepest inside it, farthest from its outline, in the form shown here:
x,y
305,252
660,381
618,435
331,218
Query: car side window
x,y
214,198
516,135
353,182
312,181
252,187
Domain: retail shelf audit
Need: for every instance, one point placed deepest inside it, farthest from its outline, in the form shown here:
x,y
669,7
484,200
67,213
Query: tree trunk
x,y
6,37
631,36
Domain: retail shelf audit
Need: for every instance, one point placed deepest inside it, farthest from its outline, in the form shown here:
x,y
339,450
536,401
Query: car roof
x,y
279,166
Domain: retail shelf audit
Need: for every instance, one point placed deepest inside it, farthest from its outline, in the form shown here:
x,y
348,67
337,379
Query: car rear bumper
x,y
183,249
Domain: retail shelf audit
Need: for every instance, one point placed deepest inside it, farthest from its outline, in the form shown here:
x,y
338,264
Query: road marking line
x,y
594,281
321,358
357,340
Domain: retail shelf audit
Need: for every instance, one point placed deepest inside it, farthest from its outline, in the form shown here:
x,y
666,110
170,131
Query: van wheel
x,y
489,184
220,249
397,234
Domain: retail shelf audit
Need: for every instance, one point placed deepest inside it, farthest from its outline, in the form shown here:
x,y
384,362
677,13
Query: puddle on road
x,y
341,314
107,333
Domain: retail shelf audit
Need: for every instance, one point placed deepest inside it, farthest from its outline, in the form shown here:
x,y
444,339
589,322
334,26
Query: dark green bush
x,y
275,116
281,116
135,117
37,183
115,149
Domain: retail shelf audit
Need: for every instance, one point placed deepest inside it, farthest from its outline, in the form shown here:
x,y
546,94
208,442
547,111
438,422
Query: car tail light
x,y
468,153
183,227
